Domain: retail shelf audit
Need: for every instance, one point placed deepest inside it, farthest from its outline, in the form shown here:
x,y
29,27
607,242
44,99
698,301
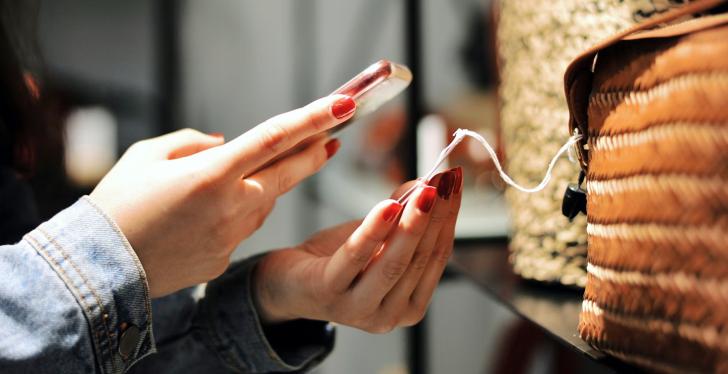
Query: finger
x,y
286,173
264,142
351,258
403,188
182,143
325,242
442,251
399,297
392,260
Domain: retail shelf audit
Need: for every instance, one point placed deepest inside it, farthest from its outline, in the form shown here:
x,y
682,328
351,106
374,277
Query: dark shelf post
x,y
168,72
417,334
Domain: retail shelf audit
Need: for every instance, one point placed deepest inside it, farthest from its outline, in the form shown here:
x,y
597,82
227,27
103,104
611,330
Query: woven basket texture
x,y
657,183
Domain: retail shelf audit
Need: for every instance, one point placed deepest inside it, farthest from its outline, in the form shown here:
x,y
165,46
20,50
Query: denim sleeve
x,y
73,298
215,328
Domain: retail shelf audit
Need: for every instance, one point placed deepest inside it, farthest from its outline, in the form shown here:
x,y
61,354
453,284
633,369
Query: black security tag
x,y
574,199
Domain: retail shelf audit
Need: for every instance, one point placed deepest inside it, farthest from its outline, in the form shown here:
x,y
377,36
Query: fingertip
x,y
457,188
426,199
332,146
343,107
392,211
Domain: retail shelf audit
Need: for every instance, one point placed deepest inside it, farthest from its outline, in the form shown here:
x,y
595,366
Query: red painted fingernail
x,y
444,188
458,184
332,146
343,107
218,135
426,199
392,211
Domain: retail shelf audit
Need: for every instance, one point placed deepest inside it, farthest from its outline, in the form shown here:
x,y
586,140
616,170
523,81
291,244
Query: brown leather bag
x,y
652,102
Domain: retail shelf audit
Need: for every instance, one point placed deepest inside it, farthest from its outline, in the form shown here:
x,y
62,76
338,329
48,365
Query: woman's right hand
x,y
374,274
185,200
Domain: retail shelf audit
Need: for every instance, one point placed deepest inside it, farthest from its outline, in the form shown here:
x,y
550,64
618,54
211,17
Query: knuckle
x,y
371,237
413,229
188,132
413,317
439,218
393,269
285,181
273,137
442,255
358,256
205,181
419,261
313,120
381,327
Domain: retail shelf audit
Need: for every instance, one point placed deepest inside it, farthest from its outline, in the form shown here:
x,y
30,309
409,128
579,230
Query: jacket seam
x,y
35,244
127,246
94,293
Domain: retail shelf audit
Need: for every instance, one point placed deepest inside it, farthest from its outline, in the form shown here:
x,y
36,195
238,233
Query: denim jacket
x,y
74,299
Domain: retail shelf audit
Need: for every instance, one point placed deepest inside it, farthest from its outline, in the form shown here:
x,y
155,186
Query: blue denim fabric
x,y
73,286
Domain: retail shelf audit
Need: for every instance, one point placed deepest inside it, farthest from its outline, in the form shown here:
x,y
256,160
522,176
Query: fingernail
x,y
218,135
426,199
444,188
392,211
332,146
458,180
343,107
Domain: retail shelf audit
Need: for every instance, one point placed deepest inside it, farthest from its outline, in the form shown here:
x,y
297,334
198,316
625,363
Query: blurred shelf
x,y
553,308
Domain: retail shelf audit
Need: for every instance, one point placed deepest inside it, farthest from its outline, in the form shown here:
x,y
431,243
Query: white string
x,y
460,134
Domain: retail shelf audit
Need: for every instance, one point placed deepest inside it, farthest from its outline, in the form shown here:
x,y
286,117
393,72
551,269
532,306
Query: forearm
x,y
72,294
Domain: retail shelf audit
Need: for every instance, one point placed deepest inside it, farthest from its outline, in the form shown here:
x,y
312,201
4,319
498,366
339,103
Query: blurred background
x,y
125,71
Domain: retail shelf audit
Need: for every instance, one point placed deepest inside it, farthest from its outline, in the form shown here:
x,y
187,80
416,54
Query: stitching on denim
x,y
104,322
132,253
34,243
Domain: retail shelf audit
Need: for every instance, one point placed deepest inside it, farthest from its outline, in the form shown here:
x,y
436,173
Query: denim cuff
x,y
228,315
95,261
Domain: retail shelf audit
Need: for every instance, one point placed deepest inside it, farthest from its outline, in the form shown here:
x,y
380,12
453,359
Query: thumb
x,y
185,142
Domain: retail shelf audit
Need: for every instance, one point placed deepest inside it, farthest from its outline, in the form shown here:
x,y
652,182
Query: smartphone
x,y
370,89
377,84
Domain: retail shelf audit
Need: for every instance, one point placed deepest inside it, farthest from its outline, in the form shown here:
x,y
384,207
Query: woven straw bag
x,y
536,41
653,104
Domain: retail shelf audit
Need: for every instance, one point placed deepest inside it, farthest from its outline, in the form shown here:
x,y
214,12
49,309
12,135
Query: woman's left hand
x,y
375,274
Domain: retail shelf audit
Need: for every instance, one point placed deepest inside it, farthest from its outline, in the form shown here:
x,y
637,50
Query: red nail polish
x,y
218,135
392,211
332,146
444,188
343,107
458,180
426,199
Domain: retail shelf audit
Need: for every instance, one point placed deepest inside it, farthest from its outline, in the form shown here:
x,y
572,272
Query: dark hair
x,y
23,127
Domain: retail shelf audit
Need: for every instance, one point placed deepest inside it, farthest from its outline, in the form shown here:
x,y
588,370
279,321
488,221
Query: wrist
x,y
265,301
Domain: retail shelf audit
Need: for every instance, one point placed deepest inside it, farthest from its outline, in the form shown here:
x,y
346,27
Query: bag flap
x,y
578,75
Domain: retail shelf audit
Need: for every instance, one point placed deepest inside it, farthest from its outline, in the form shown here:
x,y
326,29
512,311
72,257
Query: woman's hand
x,y
185,200
374,274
